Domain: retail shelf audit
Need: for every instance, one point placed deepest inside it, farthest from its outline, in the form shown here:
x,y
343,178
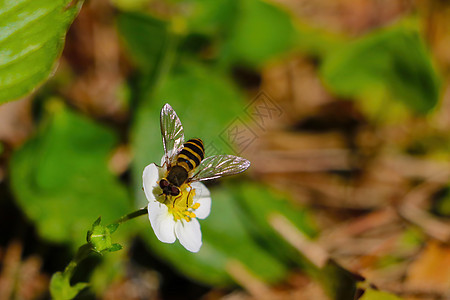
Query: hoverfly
x,y
185,161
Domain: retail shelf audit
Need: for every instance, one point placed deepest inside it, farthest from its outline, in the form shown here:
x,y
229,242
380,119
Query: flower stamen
x,y
182,206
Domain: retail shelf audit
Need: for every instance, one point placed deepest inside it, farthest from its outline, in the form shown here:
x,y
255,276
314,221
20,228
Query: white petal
x,y
162,222
189,234
200,190
150,178
202,197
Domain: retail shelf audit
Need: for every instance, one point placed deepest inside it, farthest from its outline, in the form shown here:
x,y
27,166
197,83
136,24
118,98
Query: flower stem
x,y
96,238
132,215
81,254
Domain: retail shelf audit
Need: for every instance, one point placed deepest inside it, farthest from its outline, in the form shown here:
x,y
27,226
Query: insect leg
x,y
176,199
187,198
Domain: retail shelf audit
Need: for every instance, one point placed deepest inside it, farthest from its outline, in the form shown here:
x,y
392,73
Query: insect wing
x,y
220,165
172,132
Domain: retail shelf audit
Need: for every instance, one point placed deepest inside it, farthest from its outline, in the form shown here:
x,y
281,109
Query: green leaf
x,y
60,287
97,222
316,42
112,227
99,237
259,204
261,31
270,201
115,247
110,269
393,62
131,5
339,283
211,17
441,202
61,180
371,294
31,39
225,230
151,46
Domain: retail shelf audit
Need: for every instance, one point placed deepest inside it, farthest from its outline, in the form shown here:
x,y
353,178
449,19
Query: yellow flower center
x,y
182,206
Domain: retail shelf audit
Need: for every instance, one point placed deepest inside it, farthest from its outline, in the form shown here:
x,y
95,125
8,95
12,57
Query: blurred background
x,y
342,107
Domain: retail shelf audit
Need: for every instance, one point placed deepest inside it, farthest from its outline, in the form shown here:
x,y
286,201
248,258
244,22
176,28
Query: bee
x,y
185,161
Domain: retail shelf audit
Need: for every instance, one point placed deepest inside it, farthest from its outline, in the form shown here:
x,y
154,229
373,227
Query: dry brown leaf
x,y
431,270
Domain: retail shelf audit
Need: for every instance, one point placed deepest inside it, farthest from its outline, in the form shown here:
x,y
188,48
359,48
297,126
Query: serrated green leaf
x,y
99,237
112,227
61,180
60,287
97,222
392,62
31,39
115,247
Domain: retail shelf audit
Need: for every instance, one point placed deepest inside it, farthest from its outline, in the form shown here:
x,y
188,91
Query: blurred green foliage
x,y
61,178
61,289
441,202
31,39
260,31
212,18
371,294
443,207
393,60
151,45
338,283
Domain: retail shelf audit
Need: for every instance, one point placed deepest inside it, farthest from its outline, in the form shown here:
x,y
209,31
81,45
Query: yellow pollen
x,y
181,206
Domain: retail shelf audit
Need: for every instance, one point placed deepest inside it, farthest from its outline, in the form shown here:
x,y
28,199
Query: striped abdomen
x,y
192,154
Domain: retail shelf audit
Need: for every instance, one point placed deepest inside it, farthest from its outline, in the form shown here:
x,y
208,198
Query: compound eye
x,y
163,183
175,191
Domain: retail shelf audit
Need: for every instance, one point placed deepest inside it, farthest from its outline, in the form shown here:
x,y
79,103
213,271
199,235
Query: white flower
x,y
175,217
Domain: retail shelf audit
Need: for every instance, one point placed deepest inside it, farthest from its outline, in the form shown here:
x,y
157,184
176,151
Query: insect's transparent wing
x,y
220,165
172,132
